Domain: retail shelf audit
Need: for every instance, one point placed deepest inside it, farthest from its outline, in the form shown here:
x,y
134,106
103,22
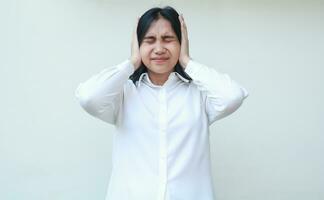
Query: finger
x,y
135,29
183,28
181,18
136,23
183,24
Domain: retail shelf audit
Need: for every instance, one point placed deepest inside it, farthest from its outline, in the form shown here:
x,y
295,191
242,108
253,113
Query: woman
x,y
162,103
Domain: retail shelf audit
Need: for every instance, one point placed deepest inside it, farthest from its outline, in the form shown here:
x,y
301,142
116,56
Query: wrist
x,y
184,62
134,63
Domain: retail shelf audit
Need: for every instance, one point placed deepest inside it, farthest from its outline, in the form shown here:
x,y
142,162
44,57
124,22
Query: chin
x,y
160,69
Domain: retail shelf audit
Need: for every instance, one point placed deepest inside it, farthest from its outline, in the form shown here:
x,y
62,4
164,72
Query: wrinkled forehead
x,y
160,26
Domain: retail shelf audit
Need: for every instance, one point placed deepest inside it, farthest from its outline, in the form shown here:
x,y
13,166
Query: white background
x,y
270,149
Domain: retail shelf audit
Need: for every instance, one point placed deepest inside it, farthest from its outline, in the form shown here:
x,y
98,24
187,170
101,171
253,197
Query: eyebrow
x,y
163,37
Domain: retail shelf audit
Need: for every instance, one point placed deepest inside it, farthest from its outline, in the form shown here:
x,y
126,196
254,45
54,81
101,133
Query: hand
x,y
184,51
135,58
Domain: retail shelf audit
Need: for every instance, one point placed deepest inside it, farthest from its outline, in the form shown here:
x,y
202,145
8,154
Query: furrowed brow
x,y
149,37
168,37
163,37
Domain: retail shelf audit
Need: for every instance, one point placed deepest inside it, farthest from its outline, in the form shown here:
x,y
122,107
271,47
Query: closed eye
x,y
168,38
149,39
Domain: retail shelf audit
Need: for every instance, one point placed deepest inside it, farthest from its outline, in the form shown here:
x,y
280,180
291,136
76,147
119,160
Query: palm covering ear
x,y
184,50
135,53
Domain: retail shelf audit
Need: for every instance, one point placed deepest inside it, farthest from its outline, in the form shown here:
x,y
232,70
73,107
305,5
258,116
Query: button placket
x,y
163,144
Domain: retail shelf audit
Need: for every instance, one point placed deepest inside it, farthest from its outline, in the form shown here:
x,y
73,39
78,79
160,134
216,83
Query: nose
x,y
159,48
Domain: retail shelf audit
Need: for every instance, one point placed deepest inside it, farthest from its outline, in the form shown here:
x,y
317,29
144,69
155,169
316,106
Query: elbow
x,y
89,106
235,99
225,104
85,101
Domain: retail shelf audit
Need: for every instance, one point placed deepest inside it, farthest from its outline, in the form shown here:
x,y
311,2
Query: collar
x,y
172,79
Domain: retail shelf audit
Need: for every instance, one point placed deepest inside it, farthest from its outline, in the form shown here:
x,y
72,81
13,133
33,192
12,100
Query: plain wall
x,y
270,149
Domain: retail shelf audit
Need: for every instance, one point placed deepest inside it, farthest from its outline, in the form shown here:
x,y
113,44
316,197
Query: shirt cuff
x,y
127,67
192,67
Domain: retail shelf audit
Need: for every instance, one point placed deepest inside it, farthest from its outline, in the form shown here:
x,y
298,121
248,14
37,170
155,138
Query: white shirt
x,y
161,144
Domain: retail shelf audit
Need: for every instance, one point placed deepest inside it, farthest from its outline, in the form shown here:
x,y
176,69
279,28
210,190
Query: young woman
x,y
162,103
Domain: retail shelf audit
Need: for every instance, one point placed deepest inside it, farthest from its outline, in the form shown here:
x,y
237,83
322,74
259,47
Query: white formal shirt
x,y
161,147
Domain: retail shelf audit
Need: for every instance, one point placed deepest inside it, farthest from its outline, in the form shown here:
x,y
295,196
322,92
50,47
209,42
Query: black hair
x,y
144,23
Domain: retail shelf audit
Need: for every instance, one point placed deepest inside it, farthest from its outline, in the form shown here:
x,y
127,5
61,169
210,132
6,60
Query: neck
x,y
158,79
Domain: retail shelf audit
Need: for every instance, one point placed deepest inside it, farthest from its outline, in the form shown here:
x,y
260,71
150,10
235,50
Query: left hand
x,y
184,51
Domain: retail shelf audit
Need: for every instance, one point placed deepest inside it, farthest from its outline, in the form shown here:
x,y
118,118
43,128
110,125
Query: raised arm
x,y
102,94
223,95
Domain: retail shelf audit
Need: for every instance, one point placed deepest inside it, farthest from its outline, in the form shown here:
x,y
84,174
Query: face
x,y
160,48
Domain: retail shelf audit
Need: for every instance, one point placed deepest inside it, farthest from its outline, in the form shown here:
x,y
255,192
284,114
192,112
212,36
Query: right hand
x,y
135,53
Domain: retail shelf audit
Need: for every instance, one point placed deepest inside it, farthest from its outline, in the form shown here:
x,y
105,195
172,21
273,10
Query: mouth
x,y
159,60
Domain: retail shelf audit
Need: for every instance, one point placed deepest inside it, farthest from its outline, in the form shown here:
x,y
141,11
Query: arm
x,y
223,95
101,95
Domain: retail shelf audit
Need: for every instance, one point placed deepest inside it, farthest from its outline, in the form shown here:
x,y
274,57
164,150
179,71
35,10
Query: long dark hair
x,y
144,23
